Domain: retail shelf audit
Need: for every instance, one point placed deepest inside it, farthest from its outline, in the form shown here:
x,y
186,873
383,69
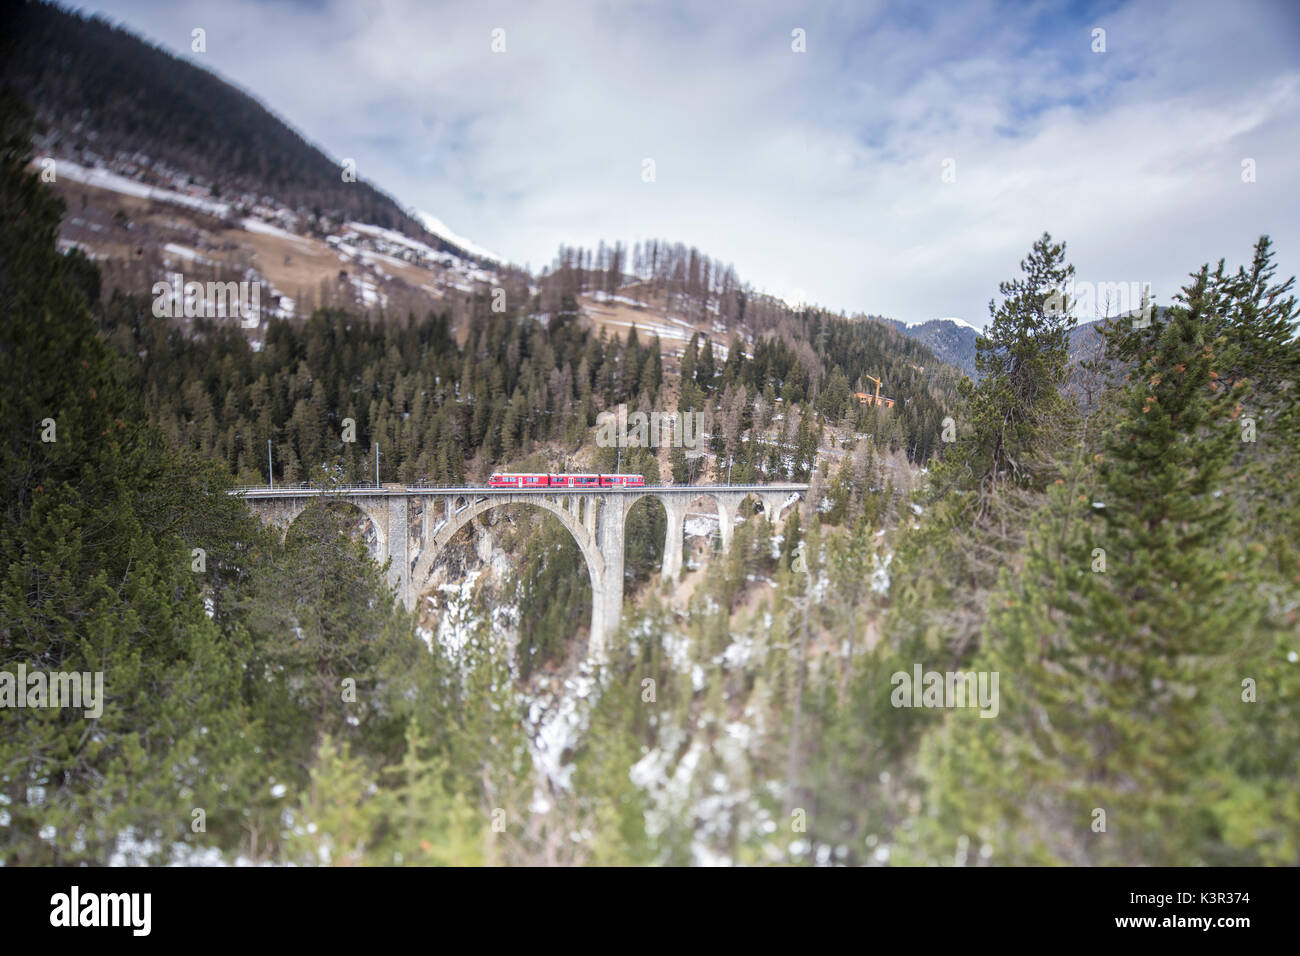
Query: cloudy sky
x,y
903,164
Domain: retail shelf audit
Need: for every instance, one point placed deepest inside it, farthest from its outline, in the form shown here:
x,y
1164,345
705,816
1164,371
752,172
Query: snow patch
x,y
114,182
440,228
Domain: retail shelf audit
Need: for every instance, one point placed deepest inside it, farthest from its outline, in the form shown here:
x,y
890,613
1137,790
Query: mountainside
x,y
107,95
951,340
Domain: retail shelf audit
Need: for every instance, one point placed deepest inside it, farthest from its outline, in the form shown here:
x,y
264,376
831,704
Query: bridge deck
x,y
416,490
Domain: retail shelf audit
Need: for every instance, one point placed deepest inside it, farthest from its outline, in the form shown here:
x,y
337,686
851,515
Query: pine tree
x,y
1015,412
706,370
337,817
426,823
793,537
1112,641
632,362
689,360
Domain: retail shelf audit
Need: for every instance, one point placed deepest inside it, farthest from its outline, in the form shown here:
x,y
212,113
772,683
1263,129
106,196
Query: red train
x,y
566,481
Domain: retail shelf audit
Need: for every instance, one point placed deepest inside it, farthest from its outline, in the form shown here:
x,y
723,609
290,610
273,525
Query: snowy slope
x,y
439,228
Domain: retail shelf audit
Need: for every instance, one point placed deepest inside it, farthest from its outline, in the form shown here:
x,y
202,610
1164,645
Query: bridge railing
x,y
306,486
472,489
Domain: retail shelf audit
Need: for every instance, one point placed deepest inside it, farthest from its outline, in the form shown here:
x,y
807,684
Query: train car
x,y
519,481
534,482
575,481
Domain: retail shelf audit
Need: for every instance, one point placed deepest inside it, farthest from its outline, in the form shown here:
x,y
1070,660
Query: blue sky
x,y
818,174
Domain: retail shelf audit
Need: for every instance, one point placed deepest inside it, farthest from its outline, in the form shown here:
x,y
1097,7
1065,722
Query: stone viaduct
x,y
413,524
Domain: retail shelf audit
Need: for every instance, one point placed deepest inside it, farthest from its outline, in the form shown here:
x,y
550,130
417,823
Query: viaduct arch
x,y
595,518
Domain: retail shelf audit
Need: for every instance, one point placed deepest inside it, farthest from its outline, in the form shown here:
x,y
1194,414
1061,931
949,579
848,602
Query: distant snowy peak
x,y
956,321
440,229
950,338
961,323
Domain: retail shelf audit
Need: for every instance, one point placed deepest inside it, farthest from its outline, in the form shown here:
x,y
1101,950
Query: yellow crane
x,y
865,399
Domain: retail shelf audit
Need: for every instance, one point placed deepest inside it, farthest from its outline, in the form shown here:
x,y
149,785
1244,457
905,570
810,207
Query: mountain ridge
x,y
104,92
